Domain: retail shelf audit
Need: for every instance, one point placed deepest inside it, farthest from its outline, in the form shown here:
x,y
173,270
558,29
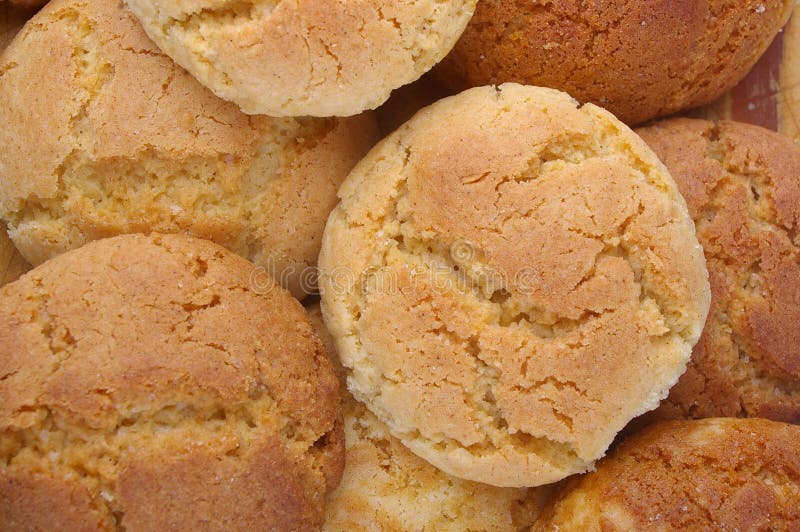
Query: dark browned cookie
x,y
742,185
638,59
145,386
712,474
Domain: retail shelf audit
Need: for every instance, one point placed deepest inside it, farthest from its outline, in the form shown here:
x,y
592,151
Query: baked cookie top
x,y
103,134
387,487
712,474
510,278
637,59
742,185
302,57
144,384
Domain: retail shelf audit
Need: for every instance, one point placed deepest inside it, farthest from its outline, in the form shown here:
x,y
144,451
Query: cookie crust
x,y
298,58
720,474
639,60
104,135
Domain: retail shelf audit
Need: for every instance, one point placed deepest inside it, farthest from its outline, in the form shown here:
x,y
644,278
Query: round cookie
x,y
742,186
712,474
105,135
387,487
510,279
298,58
144,385
637,59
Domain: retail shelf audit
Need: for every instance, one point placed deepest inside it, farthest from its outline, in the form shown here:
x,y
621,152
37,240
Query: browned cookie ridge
x,y
712,474
145,385
637,59
742,186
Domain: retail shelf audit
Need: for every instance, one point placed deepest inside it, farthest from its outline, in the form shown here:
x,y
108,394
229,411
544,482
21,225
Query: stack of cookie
x,y
520,313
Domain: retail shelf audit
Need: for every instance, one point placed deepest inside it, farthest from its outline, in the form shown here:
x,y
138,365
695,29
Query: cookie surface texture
x,y
712,474
742,186
305,57
387,487
637,59
105,135
146,386
509,279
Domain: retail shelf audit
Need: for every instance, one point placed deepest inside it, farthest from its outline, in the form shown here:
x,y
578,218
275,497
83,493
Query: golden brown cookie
x,y
637,59
144,385
103,135
742,185
510,278
712,474
387,487
297,57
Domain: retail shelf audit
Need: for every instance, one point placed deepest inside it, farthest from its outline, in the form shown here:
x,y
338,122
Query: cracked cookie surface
x,y
637,59
104,134
305,57
711,474
510,279
387,487
742,186
145,386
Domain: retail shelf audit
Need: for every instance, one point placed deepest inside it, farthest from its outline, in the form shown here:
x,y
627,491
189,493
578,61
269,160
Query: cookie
x,y
146,386
105,135
298,58
387,487
712,474
510,278
742,186
639,60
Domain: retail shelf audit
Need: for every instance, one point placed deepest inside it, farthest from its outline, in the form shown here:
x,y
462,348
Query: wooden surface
x,y
769,96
